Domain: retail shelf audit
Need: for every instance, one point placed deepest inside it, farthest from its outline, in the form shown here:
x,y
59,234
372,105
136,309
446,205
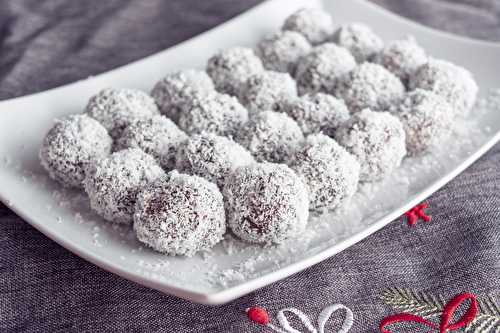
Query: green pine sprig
x,y
488,319
414,302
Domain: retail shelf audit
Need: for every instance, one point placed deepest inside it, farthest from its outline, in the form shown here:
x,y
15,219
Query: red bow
x,y
416,213
446,316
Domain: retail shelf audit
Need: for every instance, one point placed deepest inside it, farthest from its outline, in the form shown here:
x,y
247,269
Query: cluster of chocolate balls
x,y
260,139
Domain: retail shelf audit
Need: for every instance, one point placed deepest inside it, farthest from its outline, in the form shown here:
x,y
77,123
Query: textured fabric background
x,y
44,288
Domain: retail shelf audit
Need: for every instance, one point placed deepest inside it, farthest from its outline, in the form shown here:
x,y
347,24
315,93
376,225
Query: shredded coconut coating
x,y
370,86
112,183
316,113
377,139
281,51
454,83
268,91
266,203
329,171
211,157
360,40
315,24
157,136
230,68
180,215
271,136
115,109
71,145
178,88
215,113
427,119
402,58
320,70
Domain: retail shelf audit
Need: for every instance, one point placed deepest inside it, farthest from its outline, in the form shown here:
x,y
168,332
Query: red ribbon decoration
x,y
416,213
446,316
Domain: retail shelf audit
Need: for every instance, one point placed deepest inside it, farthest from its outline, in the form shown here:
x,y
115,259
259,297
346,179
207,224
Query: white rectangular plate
x,y
233,269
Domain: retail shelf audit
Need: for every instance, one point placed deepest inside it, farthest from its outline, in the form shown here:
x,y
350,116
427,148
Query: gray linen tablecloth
x,y
45,288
